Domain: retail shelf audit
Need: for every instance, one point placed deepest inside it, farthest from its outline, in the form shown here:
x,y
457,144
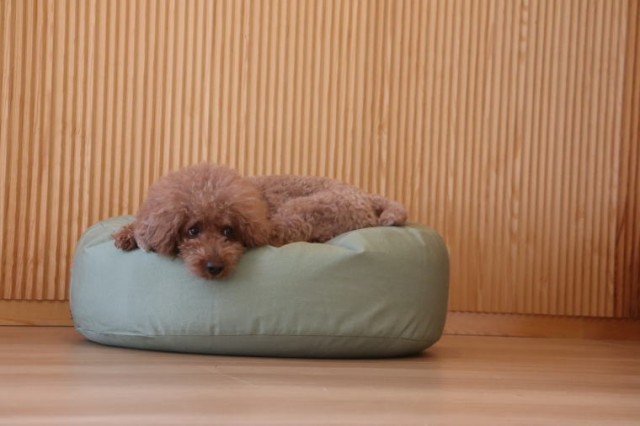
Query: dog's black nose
x,y
214,268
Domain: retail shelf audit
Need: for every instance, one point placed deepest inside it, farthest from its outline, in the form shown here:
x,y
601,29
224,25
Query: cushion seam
x,y
250,335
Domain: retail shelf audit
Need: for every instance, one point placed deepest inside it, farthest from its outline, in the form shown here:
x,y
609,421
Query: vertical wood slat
x,y
510,126
627,243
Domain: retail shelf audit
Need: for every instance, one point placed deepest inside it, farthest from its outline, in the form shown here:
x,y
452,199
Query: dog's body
x,y
209,215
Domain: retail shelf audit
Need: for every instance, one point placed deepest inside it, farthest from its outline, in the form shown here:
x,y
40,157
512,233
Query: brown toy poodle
x,y
209,215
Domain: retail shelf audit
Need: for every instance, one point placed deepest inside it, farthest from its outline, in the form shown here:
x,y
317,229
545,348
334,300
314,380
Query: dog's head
x,y
208,215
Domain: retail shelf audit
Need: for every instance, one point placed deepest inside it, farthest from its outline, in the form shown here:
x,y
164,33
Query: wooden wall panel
x,y
509,126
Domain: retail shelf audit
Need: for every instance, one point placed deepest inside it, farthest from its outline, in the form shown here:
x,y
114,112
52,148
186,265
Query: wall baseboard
x,y
48,313
511,325
42,313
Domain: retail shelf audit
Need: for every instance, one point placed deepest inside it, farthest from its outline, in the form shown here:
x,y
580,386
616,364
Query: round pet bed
x,y
374,292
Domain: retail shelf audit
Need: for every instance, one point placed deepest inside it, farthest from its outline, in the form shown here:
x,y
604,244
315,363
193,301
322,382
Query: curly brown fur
x,y
209,215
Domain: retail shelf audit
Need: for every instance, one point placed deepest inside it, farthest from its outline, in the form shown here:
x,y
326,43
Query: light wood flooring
x,y
52,376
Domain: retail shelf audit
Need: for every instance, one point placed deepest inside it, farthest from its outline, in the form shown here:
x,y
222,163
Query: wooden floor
x,y
51,376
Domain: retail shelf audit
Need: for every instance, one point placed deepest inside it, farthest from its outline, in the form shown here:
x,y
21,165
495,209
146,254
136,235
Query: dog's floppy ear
x,y
160,231
161,218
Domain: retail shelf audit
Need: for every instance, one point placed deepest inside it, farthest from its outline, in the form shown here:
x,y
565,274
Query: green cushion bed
x,y
375,292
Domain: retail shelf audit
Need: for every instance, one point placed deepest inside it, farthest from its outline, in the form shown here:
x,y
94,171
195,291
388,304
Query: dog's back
x,y
313,194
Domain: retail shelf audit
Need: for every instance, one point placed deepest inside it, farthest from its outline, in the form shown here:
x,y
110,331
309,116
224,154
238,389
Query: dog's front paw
x,y
124,239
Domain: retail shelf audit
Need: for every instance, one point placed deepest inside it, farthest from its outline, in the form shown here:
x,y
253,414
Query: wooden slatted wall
x,y
509,126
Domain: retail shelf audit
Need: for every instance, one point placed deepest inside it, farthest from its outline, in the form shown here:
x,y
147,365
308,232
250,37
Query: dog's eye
x,y
227,231
194,231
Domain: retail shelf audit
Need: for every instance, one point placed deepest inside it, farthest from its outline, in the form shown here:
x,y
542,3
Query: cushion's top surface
x,y
368,293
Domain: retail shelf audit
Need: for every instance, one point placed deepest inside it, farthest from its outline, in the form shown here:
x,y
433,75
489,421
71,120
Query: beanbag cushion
x,y
375,292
